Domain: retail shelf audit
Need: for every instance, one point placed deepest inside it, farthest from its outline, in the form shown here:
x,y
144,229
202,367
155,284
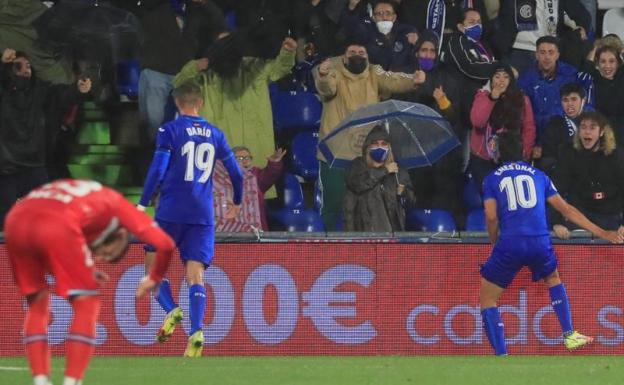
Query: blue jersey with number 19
x,y
186,190
521,194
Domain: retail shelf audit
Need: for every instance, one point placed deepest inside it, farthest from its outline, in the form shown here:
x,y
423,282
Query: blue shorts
x,y
510,255
195,242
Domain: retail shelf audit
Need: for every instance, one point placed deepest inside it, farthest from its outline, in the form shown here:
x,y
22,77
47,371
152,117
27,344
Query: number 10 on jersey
x,y
520,190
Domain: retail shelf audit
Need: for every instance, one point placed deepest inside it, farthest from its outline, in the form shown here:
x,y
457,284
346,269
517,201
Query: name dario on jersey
x,y
514,166
201,131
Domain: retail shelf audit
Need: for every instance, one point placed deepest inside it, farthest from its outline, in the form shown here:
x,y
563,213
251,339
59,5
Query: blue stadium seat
x,y
295,110
472,194
128,78
303,155
303,78
297,220
318,203
230,20
430,220
318,196
340,223
293,194
475,221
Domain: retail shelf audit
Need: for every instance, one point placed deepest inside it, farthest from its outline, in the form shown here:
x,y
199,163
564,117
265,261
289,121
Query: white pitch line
x,y
13,368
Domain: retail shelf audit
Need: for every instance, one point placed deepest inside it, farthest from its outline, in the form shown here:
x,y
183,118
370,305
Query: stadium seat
x,y
475,221
303,78
295,110
340,223
613,22
303,155
472,195
318,196
297,220
128,78
318,203
430,220
230,20
293,194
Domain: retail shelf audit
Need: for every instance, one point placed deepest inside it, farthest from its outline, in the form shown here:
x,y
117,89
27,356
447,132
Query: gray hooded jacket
x,y
371,201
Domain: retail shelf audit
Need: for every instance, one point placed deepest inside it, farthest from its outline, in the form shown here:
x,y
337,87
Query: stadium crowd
x,y
487,66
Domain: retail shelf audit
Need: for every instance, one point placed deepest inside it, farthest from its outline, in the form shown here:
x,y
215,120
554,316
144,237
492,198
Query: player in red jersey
x,y
61,229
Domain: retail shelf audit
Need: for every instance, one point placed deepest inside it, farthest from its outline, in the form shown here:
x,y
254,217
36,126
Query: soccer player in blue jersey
x,y
515,196
186,149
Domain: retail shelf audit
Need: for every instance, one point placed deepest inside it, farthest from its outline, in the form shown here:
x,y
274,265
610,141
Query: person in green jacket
x,y
17,32
236,91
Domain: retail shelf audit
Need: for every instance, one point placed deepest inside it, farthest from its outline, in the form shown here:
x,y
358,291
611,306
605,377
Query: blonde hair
x,y
612,40
188,94
606,141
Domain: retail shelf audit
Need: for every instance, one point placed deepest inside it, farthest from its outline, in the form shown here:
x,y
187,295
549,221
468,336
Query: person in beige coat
x,y
346,83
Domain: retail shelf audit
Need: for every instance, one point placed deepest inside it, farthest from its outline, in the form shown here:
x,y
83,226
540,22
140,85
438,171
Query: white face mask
x,y
385,26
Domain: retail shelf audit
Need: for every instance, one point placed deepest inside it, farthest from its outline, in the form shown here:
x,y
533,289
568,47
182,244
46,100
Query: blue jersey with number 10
x,y
521,194
186,190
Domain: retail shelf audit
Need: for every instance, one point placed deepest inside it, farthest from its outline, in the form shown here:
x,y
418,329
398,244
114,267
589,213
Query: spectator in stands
x,y
612,40
421,14
388,42
561,129
30,109
377,189
605,66
592,8
346,83
18,32
256,182
471,60
437,186
542,83
440,91
591,176
317,25
502,108
172,31
521,24
236,92
267,22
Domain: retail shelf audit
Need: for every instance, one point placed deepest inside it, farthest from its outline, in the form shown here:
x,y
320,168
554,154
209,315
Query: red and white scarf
x,y
249,216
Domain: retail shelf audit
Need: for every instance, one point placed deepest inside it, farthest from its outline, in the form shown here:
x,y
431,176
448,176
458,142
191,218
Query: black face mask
x,y
356,64
20,83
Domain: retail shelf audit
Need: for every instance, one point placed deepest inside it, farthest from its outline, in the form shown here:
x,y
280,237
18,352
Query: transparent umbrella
x,y
419,136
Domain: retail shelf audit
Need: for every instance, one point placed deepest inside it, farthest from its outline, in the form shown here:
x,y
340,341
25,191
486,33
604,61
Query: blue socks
x,y
561,305
164,297
197,303
494,329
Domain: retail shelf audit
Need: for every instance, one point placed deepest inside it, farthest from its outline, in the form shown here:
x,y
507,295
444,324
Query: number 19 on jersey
x,y
200,156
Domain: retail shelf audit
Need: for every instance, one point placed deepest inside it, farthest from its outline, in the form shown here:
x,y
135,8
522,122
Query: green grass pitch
x,y
328,370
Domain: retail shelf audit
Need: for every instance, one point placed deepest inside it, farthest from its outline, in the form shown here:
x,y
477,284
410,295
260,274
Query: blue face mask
x,y
378,154
474,32
426,64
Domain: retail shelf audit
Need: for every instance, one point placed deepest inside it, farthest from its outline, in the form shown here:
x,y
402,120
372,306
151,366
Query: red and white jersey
x,y
95,211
